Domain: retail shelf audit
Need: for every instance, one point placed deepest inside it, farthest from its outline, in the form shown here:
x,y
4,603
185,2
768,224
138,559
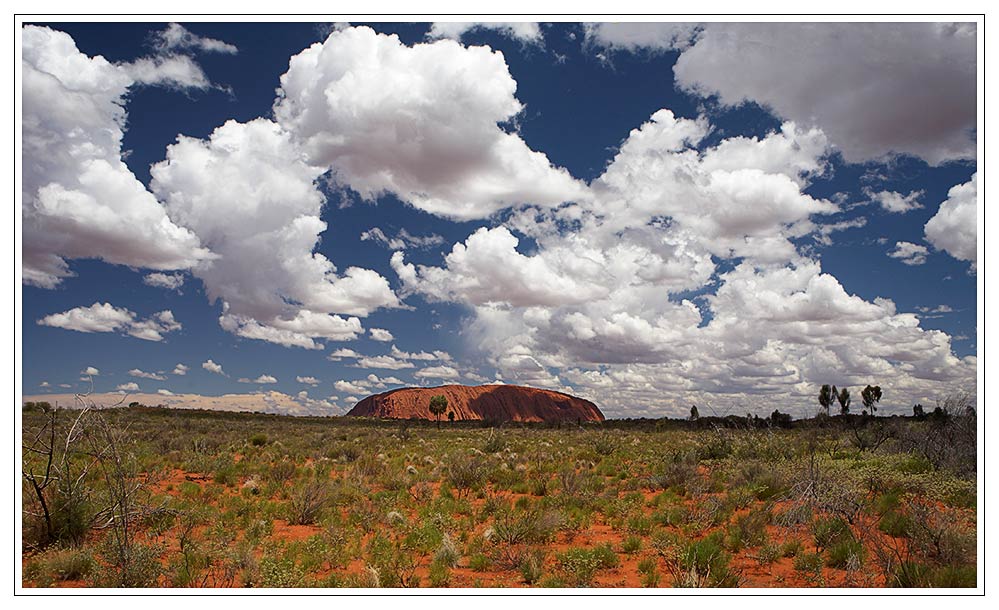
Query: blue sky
x,y
647,215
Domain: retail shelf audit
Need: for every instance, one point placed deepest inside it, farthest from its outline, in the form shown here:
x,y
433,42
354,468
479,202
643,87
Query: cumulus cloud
x,y
896,202
90,371
659,212
106,318
351,387
79,199
169,281
894,87
339,354
307,380
395,352
402,240
180,369
144,375
131,386
177,37
383,362
380,334
437,372
654,37
262,379
954,228
909,253
420,122
524,31
164,392
251,198
600,306
212,367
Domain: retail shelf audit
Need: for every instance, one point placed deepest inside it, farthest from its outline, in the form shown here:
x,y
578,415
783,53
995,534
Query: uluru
x,y
484,402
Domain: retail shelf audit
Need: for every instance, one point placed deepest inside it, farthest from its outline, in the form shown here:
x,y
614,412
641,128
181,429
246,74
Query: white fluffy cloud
x,y
659,212
380,334
177,37
262,379
164,392
250,196
421,122
637,35
213,367
525,31
106,318
90,371
596,308
954,228
909,253
351,387
894,87
79,199
383,362
169,281
180,369
340,354
175,71
437,372
896,202
308,380
131,386
144,375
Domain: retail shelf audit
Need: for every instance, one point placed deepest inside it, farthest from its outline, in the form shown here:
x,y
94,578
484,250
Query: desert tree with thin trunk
x,y
843,398
438,405
871,395
826,394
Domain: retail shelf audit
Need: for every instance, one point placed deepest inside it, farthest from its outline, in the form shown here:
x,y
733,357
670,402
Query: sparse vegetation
x,y
201,499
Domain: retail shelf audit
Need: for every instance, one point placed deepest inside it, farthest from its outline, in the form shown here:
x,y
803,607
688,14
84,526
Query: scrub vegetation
x,y
141,497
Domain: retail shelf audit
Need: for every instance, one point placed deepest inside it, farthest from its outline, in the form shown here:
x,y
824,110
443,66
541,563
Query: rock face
x,y
493,402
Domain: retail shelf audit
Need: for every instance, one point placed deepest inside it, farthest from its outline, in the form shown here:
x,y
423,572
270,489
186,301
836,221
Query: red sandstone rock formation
x,y
492,402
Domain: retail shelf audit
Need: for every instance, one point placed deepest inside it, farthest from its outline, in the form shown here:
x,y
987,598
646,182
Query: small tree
x,y
843,398
438,405
918,412
694,415
871,395
826,394
450,416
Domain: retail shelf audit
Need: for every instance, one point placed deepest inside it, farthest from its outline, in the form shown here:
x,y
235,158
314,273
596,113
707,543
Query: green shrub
x,y
704,563
466,475
440,575
258,440
531,567
845,554
479,562
809,563
649,570
895,524
791,548
605,556
280,573
631,545
67,564
307,501
579,565
830,530
768,554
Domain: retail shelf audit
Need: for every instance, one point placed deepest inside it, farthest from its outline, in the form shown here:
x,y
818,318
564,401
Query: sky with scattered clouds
x,y
648,215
